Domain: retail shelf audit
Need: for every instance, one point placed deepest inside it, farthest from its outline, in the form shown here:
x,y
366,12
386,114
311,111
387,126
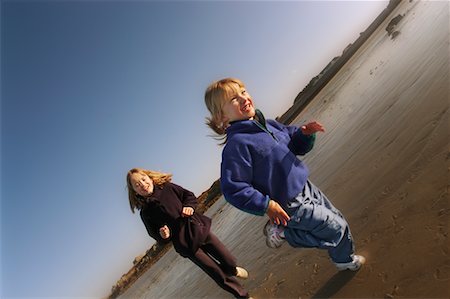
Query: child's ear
x,y
224,119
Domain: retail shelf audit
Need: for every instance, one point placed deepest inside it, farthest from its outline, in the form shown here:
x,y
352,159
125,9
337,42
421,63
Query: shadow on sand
x,y
334,284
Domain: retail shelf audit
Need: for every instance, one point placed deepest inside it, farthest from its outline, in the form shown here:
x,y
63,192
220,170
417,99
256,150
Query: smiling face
x,y
238,105
142,184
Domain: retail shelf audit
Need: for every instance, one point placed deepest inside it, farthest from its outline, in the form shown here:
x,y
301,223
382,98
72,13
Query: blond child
x,y
261,174
168,213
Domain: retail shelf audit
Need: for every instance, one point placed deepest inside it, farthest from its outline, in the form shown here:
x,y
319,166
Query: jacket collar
x,y
247,125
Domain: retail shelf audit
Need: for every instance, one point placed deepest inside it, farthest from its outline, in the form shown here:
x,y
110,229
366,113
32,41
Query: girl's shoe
x,y
241,273
274,235
358,261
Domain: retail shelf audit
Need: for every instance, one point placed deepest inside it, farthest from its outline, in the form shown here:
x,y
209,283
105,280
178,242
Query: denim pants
x,y
315,222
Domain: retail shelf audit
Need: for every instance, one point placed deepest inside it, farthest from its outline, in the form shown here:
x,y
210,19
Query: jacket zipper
x,y
265,130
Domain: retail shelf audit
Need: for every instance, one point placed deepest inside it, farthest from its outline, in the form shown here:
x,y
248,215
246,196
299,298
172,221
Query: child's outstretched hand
x,y
277,214
312,127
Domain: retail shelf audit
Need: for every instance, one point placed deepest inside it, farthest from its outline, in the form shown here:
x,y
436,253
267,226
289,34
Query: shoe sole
x,y
273,247
265,228
361,261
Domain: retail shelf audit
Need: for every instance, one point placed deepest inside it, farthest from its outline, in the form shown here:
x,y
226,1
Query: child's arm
x,y
188,200
153,229
236,178
304,142
312,127
303,138
245,197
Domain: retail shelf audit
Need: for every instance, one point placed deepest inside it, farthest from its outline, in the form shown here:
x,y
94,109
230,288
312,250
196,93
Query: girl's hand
x,y
312,127
164,232
277,214
187,211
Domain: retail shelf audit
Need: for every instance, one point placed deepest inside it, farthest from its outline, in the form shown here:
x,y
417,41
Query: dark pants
x,y
215,259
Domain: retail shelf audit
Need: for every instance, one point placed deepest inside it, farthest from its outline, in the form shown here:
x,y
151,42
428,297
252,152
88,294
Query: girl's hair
x,y
158,178
215,95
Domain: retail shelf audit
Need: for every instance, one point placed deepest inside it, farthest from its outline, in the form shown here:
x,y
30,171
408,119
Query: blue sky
x,y
90,89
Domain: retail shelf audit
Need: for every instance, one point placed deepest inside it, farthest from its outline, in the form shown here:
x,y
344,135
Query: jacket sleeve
x,y
300,144
186,197
152,229
235,180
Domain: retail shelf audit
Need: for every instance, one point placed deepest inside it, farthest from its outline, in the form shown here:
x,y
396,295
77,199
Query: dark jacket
x,y
259,163
164,208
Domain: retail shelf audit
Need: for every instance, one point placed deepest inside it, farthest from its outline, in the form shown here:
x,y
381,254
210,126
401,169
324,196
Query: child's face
x,y
142,183
238,105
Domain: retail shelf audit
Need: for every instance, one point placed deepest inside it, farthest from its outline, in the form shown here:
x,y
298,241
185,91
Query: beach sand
x,y
383,161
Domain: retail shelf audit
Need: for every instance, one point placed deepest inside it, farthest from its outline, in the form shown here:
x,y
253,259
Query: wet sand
x,y
383,161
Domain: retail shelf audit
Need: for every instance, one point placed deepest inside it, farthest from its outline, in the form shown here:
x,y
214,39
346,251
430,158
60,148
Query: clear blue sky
x,y
90,89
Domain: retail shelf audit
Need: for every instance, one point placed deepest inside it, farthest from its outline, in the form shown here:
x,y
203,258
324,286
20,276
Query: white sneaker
x,y
358,261
241,273
274,235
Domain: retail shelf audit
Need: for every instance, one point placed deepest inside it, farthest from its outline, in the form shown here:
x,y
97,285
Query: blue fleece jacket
x,y
259,163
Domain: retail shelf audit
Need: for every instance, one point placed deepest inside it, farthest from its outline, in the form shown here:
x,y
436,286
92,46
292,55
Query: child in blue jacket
x,y
261,174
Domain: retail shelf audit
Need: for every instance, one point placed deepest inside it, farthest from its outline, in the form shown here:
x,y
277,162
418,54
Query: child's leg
x,y
343,251
317,223
214,247
212,268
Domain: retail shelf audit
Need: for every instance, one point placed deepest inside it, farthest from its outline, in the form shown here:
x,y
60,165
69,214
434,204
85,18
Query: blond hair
x,y
215,95
158,178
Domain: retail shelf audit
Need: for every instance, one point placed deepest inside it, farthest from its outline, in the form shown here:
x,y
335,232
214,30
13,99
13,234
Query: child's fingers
x,y
312,127
320,127
277,214
284,218
275,220
187,211
164,232
279,221
281,218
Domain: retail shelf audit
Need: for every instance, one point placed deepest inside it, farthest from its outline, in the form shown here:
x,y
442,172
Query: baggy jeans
x,y
315,222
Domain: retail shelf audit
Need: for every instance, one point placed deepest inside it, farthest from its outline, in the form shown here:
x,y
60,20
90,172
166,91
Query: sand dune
x,y
383,161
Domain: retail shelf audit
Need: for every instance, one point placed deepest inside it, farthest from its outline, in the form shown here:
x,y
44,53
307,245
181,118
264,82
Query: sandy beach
x,y
383,161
